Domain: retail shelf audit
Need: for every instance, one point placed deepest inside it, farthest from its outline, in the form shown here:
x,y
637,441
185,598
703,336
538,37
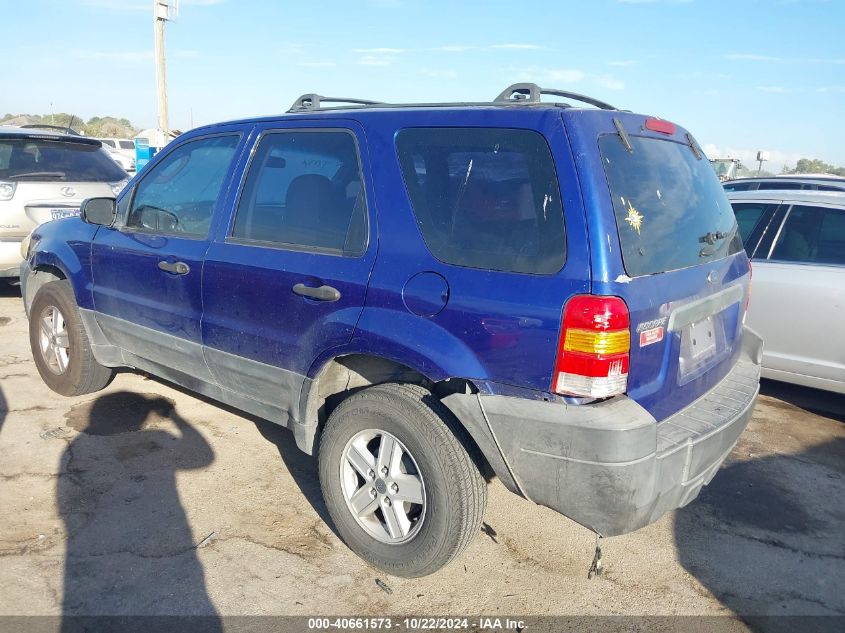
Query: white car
x,y
45,175
122,150
796,242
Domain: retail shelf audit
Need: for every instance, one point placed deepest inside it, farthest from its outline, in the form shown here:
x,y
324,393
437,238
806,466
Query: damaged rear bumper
x,y
610,466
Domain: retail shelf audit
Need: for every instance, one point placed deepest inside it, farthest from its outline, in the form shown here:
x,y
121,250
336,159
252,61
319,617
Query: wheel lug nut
x,y
384,470
373,493
387,502
394,488
371,474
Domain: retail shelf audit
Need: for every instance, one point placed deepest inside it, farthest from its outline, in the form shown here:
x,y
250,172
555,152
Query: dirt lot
x,y
144,499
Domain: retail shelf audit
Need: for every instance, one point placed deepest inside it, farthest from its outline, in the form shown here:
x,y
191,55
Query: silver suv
x,y
44,176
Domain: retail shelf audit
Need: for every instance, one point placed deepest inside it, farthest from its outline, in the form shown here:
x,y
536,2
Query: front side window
x,y
671,211
812,235
304,189
178,194
485,197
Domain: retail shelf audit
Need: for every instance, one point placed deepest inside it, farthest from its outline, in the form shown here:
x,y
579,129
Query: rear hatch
x,y
663,237
46,177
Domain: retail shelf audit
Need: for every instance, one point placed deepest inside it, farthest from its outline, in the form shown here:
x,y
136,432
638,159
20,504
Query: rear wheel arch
x,y
343,376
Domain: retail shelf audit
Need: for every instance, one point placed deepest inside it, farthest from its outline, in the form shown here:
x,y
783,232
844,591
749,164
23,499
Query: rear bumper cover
x,y
611,466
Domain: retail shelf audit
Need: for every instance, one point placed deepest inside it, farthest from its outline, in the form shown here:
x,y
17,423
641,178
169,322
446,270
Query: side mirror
x,y
99,211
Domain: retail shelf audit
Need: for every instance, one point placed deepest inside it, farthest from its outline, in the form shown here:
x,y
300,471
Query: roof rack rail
x,y
311,101
531,93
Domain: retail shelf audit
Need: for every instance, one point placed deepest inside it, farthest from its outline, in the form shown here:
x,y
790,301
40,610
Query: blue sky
x,y
742,75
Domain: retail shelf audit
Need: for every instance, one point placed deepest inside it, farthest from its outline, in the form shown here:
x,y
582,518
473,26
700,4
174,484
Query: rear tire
x,y
432,489
60,346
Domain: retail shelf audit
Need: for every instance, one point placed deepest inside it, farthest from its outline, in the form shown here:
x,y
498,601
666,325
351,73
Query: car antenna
x,y
72,117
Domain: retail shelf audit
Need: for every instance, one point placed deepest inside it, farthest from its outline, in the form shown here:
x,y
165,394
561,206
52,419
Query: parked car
x,y
427,295
45,175
787,183
796,240
125,160
123,146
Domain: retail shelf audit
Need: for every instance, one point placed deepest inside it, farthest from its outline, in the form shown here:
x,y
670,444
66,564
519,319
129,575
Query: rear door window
x,y
126,144
812,235
671,211
485,197
39,160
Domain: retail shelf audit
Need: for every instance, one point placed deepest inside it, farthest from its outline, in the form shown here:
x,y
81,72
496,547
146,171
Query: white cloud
x,y
380,56
567,75
610,82
374,60
831,89
751,57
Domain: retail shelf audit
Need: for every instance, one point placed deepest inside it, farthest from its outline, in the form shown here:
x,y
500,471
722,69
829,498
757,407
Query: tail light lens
x,y
594,348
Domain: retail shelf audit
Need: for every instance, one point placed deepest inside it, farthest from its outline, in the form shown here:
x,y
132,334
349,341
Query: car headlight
x,y
25,242
7,190
117,187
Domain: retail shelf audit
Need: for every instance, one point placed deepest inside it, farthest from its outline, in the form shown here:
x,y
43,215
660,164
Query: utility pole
x,y
163,11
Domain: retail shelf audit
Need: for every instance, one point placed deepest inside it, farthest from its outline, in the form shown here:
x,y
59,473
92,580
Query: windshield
x,y
39,159
671,212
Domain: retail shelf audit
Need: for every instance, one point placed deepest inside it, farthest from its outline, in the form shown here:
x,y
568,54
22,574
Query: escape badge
x,y
634,217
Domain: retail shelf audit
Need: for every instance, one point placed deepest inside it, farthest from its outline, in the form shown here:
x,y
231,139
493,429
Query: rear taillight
x,y
594,348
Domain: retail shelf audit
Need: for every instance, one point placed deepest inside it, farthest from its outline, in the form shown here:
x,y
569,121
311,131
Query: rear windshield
x,y
34,159
485,197
671,211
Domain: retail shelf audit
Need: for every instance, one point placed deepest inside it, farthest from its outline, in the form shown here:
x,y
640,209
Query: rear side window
x,y
671,211
485,198
126,144
748,214
814,235
305,189
35,159
737,186
783,186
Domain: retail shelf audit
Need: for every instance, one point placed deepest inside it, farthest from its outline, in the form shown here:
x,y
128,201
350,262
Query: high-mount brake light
x,y
659,125
593,352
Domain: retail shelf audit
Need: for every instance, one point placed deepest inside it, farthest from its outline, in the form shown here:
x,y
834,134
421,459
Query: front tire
x,y
399,484
60,346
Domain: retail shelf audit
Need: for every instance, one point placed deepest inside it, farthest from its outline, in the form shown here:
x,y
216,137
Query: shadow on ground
x,y
766,536
130,549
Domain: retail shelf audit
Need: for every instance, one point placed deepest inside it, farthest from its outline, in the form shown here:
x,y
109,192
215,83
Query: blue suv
x,y
428,296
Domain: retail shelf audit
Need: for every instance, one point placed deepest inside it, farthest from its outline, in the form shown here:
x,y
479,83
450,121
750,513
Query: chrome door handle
x,y
175,268
321,293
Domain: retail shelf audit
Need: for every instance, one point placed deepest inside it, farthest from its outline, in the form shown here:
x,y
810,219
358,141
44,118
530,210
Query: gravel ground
x,y
146,500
